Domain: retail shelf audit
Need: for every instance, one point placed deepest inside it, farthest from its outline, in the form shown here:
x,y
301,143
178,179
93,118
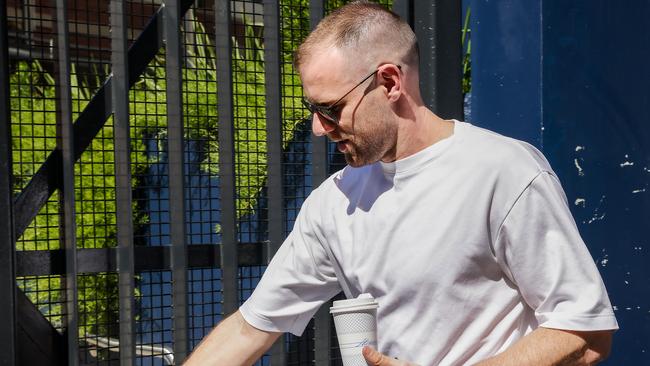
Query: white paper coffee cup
x,y
356,327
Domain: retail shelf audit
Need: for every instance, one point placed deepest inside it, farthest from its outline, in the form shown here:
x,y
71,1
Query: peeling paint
x,y
580,170
638,190
626,162
596,216
580,202
579,148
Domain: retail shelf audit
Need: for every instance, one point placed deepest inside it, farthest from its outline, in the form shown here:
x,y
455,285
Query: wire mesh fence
x,y
36,122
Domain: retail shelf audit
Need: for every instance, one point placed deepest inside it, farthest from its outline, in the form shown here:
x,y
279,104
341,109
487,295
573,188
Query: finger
x,y
375,358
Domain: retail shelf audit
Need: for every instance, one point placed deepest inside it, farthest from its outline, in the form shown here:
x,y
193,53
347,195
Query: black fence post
x,y
273,124
404,8
176,160
64,121
7,241
437,25
322,327
122,148
319,143
274,185
228,245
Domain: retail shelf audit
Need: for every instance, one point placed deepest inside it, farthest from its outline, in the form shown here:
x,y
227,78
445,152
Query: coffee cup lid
x,y
362,302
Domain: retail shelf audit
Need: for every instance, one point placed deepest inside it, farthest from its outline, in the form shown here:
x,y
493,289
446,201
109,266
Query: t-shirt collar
x,y
420,158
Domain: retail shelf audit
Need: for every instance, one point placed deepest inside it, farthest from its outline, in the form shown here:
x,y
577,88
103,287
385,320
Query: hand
x,y
374,358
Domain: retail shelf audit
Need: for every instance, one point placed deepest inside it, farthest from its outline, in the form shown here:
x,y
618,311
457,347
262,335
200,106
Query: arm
x,y
542,347
545,346
232,342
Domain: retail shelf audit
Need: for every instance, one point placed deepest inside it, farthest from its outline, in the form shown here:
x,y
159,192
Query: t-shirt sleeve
x,y
298,280
540,249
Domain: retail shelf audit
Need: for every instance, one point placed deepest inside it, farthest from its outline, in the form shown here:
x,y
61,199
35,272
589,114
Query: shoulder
x,y
500,156
499,168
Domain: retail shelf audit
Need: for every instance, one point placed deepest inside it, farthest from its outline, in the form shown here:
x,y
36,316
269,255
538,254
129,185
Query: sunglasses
x,y
331,112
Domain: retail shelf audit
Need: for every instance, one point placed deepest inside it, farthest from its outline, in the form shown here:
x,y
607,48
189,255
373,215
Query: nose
x,y
320,126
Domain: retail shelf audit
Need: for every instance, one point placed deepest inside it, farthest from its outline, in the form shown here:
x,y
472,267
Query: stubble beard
x,y
368,146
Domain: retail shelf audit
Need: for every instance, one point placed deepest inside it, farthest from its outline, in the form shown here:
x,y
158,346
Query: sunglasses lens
x,y
329,115
324,113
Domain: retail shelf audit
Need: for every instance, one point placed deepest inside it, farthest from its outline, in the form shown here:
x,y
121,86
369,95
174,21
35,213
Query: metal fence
x,y
154,156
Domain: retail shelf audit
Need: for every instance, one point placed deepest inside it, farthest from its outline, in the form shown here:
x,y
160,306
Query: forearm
x,y
233,342
552,347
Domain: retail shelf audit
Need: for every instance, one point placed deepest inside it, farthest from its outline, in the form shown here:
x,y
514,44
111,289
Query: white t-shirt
x,y
467,245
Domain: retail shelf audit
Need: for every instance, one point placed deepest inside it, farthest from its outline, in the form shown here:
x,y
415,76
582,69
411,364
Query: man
x,y
464,236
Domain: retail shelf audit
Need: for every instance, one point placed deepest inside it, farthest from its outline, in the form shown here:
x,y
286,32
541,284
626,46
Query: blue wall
x,y
572,78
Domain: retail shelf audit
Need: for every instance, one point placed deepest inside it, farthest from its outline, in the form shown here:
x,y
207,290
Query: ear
x,y
390,77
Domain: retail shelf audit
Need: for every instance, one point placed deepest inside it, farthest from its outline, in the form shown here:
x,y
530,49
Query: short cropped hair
x,y
364,27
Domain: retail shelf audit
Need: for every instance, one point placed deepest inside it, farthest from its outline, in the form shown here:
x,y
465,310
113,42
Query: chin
x,y
352,161
356,161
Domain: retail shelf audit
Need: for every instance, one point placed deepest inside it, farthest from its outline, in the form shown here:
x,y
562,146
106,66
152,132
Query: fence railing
x,y
153,158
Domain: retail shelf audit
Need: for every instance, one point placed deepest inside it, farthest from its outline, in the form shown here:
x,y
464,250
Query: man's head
x,y
361,61
366,31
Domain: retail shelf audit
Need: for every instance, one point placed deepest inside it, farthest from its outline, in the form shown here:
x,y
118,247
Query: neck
x,y
417,131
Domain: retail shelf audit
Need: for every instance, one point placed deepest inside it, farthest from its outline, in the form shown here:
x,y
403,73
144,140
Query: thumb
x,y
375,358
